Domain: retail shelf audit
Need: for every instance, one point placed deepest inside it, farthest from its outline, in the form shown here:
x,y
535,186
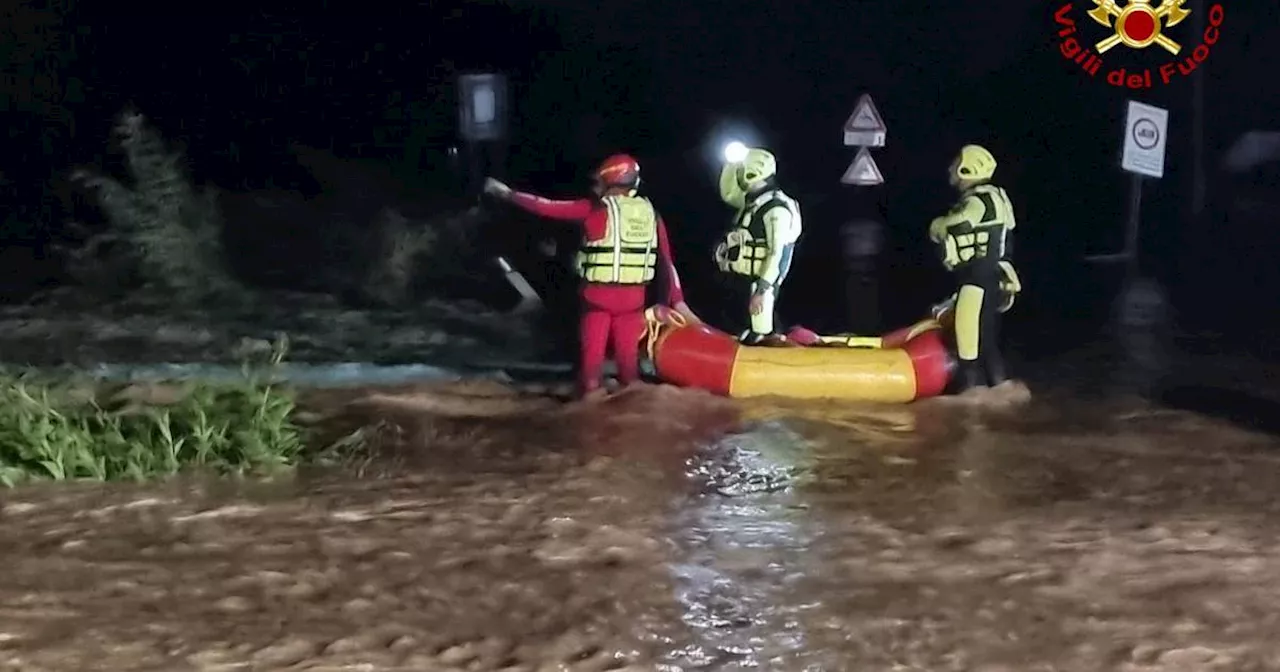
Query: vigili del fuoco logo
x,y
1136,25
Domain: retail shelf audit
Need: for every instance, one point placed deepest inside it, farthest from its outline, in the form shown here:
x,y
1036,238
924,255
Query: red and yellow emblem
x,y
1138,24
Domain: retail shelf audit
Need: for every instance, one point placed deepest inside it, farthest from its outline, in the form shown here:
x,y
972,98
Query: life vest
x,y
746,246
628,252
985,240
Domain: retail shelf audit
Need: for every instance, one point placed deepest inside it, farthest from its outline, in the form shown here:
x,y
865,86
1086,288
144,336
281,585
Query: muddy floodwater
x,y
666,530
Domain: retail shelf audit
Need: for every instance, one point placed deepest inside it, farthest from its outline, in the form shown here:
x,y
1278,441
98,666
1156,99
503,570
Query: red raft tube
x,y
899,367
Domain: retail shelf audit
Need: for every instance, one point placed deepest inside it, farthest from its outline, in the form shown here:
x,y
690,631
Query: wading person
x,y
974,243
624,243
762,241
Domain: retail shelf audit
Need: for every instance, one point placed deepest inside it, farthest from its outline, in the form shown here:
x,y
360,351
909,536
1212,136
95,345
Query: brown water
x,y
503,531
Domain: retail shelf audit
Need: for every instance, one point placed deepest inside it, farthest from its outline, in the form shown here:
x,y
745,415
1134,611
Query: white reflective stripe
x,y
1008,204
614,226
653,240
644,259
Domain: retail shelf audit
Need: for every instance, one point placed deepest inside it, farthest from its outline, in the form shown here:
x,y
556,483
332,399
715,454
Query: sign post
x,y
862,240
1140,300
1146,135
1145,138
482,124
862,234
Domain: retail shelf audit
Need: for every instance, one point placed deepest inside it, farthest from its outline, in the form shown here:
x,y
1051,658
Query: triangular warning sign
x,y
865,127
865,116
863,172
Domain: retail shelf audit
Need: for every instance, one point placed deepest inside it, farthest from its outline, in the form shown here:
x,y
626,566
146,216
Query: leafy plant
x,y
171,230
66,429
403,244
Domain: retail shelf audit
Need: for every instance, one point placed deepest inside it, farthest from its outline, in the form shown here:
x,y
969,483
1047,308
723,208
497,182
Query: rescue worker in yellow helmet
x,y
762,241
974,241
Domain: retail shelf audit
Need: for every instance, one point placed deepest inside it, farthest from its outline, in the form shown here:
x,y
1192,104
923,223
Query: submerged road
x,y
815,538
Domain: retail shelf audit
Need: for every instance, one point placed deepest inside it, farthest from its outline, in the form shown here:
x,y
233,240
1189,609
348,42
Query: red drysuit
x,y
613,315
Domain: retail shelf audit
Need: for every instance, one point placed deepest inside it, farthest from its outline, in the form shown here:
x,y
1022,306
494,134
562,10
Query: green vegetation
x,y
62,431
399,257
163,229
164,232
59,428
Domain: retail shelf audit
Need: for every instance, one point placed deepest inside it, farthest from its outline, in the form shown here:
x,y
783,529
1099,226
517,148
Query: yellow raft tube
x,y
905,365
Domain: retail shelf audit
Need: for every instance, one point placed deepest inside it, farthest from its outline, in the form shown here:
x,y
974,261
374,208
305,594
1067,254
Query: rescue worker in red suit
x,y
624,243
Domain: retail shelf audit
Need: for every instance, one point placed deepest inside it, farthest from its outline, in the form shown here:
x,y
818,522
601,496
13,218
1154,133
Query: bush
x,y
415,254
170,231
398,257
61,430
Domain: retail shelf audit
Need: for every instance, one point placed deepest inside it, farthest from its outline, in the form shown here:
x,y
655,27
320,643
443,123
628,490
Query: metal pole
x,y
475,168
861,242
497,159
1135,222
1198,186
529,299
854,277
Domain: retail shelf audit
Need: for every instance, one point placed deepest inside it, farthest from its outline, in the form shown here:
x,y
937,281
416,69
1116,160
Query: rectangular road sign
x,y
1146,133
865,127
482,106
863,172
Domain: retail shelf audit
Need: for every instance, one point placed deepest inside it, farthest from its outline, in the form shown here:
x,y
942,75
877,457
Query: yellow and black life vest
x,y
746,246
628,253
984,240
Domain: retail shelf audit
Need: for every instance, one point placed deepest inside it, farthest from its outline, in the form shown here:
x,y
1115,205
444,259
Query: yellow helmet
x,y
974,164
759,166
736,179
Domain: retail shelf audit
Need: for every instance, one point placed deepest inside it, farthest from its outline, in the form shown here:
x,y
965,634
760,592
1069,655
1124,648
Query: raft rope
x,y
659,319
654,323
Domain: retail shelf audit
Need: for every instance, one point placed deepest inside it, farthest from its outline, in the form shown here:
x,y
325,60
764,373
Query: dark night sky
x,y
660,78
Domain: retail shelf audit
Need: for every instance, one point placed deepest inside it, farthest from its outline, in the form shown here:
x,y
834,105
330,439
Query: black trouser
x,y
977,325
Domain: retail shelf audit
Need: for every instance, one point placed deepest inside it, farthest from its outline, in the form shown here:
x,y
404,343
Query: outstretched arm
x,y
575,210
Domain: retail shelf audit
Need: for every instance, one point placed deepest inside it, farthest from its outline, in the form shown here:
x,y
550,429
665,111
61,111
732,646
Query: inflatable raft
x,y
899,367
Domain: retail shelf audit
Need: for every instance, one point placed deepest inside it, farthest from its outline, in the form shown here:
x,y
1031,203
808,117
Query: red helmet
x,y
619,170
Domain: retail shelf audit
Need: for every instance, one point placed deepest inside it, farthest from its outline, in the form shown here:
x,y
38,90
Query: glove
x,y
496,189
1009,280
1010,286
756,305
940,309
722,257
937,230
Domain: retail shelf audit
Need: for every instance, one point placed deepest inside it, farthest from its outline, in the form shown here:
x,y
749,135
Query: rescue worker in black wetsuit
x,y
974,241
